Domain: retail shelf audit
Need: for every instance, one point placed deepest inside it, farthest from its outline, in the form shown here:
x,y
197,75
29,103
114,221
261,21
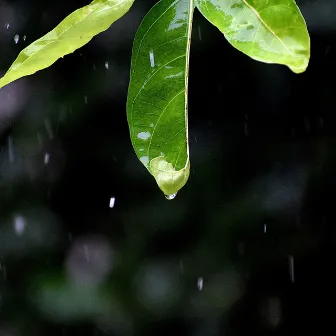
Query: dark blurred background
x,y
88,243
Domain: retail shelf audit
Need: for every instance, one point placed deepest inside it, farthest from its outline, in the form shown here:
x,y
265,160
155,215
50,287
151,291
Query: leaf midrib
x,y
266,25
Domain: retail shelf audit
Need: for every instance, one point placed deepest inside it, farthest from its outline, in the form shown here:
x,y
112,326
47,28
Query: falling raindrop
x,y
199,33
291,268
46,158
200,283
106,65
16,38
39,139
7,25
19,225
170,197
85,99
24,37
112,202
48,127
86,252
327,49
246,130
10,150
265,228
151,58
181,266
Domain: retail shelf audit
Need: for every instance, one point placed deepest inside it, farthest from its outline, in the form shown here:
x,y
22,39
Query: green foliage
x,y
157,96
72,33
271,31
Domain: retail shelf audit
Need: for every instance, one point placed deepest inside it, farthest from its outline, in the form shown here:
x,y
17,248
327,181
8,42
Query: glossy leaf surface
x,y
72,33
271,31
157,97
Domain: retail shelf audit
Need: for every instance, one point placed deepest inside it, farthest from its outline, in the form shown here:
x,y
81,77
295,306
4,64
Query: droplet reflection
x,y
170,197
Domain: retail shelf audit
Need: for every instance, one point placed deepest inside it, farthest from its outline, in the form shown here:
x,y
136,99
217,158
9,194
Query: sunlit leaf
x,y
271,31
72,33
157,97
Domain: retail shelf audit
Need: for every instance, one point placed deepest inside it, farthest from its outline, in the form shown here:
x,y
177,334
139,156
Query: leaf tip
x,y
300,68
2,84
169,180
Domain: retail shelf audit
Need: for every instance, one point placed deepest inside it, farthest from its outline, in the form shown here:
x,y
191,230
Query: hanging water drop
x,y
170,197
16,38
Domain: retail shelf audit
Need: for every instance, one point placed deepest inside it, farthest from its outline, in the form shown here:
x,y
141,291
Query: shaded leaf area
x,y
157,96
271,31
72,33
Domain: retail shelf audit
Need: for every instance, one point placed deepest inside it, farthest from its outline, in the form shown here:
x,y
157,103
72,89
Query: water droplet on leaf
x,y
151,58
144,135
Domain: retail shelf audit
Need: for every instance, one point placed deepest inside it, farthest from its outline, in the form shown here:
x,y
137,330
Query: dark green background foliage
x,y
259,201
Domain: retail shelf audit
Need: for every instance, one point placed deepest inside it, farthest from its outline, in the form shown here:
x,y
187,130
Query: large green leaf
x,y
157,97
72,33
271,31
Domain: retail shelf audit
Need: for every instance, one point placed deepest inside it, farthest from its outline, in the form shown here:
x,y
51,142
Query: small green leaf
x,y
157,96
271,31
72,33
